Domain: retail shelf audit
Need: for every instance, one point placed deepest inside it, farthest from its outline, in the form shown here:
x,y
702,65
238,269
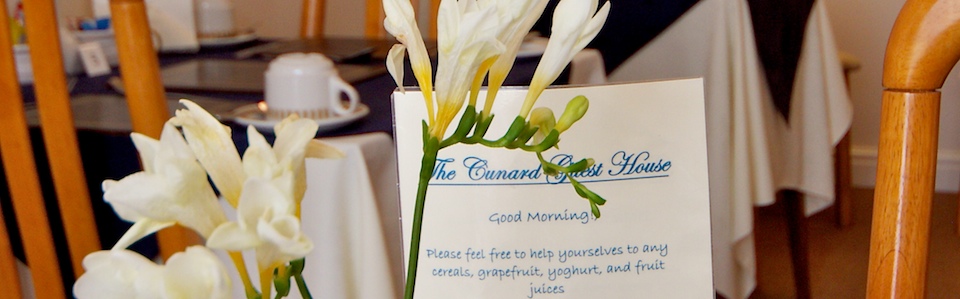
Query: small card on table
x,y
496,226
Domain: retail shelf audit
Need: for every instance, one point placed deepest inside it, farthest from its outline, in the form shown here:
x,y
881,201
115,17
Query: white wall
x,y
861,27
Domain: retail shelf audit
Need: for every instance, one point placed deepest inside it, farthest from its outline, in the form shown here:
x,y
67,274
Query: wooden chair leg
x,y
842,181
797,226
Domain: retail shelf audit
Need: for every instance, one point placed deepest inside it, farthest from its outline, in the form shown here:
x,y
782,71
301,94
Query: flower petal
x,y
258,196
117,274
214,148
142,228
147,148
323,150
575,24
259,159
292,138
138,195
592,28
196,273
283,240
395,64
230,236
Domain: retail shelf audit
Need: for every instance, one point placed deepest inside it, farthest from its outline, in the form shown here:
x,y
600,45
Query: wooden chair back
x,y
146,100
59,137
923,47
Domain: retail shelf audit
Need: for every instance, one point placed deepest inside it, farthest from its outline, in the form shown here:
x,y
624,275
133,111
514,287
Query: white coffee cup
x,y
306,84
214,18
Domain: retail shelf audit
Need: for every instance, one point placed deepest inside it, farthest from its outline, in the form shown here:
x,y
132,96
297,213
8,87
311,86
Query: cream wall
x,y
281,18
861,27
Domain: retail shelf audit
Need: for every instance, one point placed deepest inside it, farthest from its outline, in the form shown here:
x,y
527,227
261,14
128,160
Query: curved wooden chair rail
x,y
923,47
60,139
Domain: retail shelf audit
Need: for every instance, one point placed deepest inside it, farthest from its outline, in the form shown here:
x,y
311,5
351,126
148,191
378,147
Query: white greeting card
x,y
496,226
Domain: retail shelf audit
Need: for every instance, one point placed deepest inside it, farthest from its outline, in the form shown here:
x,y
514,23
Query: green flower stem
x,y
296,267
431,146
467,120
550,141
516,128
522,139
483,123
593,198
302,286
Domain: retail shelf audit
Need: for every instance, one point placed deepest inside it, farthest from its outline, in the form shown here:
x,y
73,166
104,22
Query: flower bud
x,y
575,110
543,118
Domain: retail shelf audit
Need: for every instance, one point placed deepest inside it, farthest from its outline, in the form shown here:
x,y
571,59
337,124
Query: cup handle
x,y
337,85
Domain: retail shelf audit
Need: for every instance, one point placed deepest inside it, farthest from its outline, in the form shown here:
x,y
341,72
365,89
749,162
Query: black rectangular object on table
x,y
242,76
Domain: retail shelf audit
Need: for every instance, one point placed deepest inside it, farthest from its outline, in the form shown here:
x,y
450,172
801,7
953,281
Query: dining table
x,y
351,205
757,144
351,210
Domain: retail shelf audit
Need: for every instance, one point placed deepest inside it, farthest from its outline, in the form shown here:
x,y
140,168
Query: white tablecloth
x,y
752,151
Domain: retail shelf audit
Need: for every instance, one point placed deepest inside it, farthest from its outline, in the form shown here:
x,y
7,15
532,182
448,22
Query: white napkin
x,y
172,23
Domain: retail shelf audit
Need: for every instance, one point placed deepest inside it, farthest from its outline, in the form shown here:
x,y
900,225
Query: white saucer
x,y
252,115
226,40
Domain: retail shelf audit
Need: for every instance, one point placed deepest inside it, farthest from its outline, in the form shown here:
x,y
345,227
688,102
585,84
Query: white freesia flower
x,y
544,120
574,26
124,274
196,273
120,274
213,146
402,24
268,211
295,141
517,17
466,37
265,222
171,189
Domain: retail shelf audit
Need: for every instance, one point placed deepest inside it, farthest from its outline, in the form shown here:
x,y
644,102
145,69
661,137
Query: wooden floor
x,y
839,257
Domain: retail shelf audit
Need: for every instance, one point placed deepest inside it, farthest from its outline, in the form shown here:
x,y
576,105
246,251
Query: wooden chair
x,y
148,113
923,47
61,142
